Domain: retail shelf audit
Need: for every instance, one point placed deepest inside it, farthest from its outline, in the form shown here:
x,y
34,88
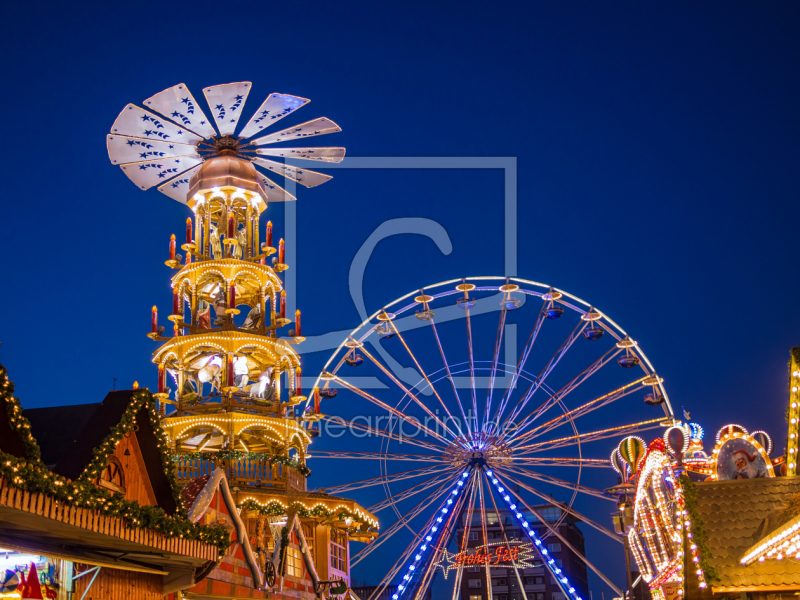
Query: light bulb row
x,y
431,538
511,503
782,543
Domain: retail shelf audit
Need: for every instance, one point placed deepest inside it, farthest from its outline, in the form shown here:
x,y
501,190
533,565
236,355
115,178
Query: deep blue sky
x,y
657,148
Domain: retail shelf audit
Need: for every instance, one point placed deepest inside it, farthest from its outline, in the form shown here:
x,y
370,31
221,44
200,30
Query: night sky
x,y
656,148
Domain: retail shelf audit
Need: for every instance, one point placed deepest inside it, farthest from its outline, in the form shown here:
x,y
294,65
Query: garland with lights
x,y
141,399
16,419
699,535
30,474
793,413
284,549
240,455
274,509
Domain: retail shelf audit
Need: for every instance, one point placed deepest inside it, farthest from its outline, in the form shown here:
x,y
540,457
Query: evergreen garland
x,y
31,474
239,455
16,419
284,549
141,398
274,508
699,535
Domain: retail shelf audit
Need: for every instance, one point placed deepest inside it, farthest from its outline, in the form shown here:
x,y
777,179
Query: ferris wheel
x,y
479,397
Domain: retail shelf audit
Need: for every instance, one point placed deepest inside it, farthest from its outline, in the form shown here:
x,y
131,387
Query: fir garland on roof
x,y
141,398
240,455
32,475
16,419
274,508
699,535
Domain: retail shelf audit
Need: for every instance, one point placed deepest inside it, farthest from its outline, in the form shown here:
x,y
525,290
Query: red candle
x,y
232,297
154,320
269,233
298,383
231,225
297,322
283,304
316,400
175,302
160,379
230,371
263,261
281,252
172,247
188,230
188,258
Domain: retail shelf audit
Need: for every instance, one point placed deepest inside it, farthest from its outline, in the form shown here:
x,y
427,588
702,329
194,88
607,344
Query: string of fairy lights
x,y
512,502
432,538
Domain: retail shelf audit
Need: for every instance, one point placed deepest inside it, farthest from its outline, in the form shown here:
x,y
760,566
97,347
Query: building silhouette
x,y
536,581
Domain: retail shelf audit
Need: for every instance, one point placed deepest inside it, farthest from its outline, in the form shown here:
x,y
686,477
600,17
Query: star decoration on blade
x,y
172,126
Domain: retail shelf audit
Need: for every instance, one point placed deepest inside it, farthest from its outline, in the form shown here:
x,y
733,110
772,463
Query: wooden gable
x,y
150,483
126,473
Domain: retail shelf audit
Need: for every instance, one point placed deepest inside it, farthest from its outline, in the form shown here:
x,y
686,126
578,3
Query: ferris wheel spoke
x,y
403,522
537,383
394,570
505,537
470,510
582,410
485,536
558,482
375,456
408,493
409,393
402,439
425,376
565,507
450,376
495,358
383,479
570,387
393,411
560,462
591,436
521,362
554,531
448,529
472,368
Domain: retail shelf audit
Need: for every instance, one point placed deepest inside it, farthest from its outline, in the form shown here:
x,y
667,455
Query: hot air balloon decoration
x,y
632,450
676,441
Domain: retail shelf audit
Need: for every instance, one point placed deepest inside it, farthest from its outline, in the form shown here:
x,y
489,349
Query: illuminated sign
x,y
517,553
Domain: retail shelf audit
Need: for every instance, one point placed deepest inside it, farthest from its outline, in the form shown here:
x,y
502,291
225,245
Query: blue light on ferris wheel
x,y
550,562
408,577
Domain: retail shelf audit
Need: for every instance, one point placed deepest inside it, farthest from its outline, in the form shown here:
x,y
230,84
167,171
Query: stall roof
x,y
734,514
57,427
